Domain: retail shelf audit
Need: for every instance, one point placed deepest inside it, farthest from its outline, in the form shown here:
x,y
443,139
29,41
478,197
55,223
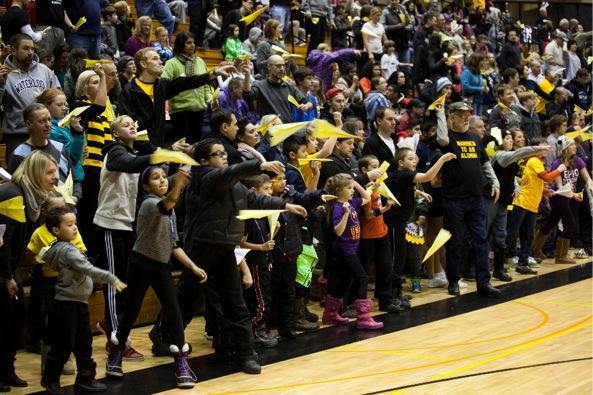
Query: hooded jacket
x,y
119,187
531,124
221,197
322,64
239,107
250,44
20,90
76,273
579,94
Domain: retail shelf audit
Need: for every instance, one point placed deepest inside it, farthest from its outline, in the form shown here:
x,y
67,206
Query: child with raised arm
x,y
342,214
72,328
148,266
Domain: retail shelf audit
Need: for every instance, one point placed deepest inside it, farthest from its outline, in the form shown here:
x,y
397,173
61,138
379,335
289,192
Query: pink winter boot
x,y
365,320
330,314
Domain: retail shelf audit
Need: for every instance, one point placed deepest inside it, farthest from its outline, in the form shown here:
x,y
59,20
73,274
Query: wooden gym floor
x,y
535,340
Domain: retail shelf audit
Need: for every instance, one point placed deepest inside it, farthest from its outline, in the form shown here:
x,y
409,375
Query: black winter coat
x,y
222,196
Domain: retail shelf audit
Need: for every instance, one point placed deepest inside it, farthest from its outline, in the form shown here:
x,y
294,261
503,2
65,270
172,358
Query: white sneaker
x,y
512,262
462,284
531,262
438,282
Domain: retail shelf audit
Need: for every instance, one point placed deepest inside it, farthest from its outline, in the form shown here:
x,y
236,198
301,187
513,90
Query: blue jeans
x,y
459,216
282,14
477,109
497,222
404,56
160,10
91,44
524,221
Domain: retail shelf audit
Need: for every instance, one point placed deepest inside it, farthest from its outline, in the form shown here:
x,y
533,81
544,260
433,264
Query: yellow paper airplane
x,y
365,19
92,62
590,60
73,114
315,20
142,136
490,149
369,33
264,128
521,25
445,37
386,193
14,208
577,133
438,103
384,166
587,113
254,214
291,55
276,48
67,187
253,16
273,220
443,236
280,133
453,25
304,161
165,155
214,91
586,136
293,100
324,130
80,22
454,57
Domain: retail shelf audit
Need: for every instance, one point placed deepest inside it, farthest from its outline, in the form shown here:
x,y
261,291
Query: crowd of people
x,y
416,122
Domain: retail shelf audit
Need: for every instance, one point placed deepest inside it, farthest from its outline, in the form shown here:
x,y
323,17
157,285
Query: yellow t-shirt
x,y
547,87
42,238
532,186
147,88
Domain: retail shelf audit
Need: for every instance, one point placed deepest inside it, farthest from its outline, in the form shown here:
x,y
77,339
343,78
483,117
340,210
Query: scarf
x,y
253,151
32,201
188,61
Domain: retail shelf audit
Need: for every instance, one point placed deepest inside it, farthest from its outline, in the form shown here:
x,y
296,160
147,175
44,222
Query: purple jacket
x,y
240,107
322,64
134,45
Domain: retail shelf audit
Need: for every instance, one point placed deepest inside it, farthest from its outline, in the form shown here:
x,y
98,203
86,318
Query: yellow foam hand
x,y
14,208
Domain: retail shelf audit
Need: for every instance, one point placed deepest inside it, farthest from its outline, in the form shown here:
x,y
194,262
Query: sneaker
x,y
512,262
416,287
404,303
438,282
113,364
261,338
371,287
208,336
524,269
462,284
129,354
102,326
581,254
531,262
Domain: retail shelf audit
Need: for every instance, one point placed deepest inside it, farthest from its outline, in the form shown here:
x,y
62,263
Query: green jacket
x,y
232,48
191,100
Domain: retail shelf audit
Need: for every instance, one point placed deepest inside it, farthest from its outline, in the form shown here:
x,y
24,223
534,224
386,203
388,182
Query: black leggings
x,y
347,267
561,210
142,273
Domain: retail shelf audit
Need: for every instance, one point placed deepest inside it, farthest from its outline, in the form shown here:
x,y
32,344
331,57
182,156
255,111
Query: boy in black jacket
x,y
288,247
216,233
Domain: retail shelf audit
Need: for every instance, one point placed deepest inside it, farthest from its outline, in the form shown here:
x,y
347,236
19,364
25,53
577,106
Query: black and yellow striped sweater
x,y
95,121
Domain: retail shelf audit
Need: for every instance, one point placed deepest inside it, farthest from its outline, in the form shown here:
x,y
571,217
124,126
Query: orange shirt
x,y
375,227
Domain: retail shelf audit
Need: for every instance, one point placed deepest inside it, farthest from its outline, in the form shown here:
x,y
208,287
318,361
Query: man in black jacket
x,y
233,17
224,128
510,55
144,97
383,143
216,233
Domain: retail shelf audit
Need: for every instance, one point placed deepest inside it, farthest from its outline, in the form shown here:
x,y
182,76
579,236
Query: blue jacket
x,y
295,179
299,116
289,239
72,142
471,85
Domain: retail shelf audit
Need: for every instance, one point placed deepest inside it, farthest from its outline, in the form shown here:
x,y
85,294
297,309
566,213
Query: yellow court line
x,y
560,303
296,385
535,343
394,353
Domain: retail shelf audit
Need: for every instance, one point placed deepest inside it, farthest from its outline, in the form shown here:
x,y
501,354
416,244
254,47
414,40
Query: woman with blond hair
x,y
31,182
141,37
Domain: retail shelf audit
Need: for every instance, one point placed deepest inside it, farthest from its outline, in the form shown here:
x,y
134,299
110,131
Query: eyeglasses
x,y
279,65
220,154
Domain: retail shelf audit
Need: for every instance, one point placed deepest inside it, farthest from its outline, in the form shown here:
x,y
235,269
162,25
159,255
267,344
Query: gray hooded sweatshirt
x,y
250,45
20,90
76,273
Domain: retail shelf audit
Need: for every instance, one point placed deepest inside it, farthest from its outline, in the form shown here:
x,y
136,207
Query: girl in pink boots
x,y
342,214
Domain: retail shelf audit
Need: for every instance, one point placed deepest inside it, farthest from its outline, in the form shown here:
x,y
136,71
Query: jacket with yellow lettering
x,y
95,121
